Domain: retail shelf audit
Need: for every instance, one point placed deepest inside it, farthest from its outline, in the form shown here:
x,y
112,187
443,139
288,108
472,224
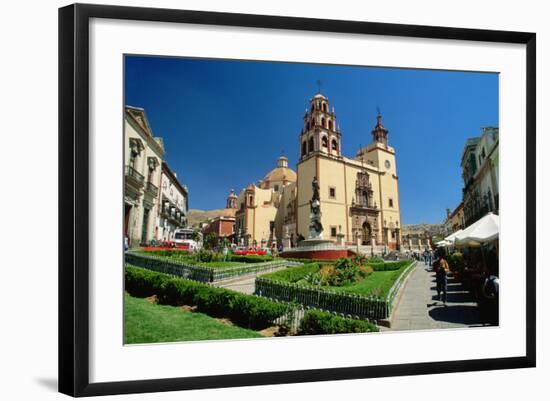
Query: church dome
x,y
280,173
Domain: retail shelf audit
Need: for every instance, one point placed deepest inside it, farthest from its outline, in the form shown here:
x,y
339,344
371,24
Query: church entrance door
x,y
367,232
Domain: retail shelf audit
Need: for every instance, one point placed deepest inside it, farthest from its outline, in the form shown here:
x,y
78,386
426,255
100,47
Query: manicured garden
x,y
204,266
360,288
145,322
207,258
189,310
368,277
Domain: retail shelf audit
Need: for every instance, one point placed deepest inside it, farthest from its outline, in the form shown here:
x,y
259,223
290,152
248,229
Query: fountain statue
x,y
315,247
315,226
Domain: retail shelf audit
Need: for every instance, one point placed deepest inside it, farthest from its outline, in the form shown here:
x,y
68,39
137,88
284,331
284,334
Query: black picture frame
x,y
74,198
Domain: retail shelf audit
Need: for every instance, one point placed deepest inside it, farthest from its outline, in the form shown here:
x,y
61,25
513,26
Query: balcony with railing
x,y
134,177
152,189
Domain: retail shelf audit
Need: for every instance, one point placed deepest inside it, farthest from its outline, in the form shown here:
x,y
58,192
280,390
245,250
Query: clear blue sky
x,y
225,123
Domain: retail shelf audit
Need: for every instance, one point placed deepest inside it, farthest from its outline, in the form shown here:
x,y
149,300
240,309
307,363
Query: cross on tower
x,y
319,85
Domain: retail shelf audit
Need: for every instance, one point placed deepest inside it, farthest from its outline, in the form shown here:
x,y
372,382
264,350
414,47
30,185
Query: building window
x,y
325,108
304,148
390,202
310,145
334,145
330,125
324,142
333,231
276,188
323,122
393,234
332,192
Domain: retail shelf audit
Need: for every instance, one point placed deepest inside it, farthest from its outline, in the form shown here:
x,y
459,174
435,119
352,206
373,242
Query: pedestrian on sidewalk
x,y
441,269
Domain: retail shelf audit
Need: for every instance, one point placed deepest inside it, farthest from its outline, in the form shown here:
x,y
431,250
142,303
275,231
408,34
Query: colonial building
x,y
143,155
174,200
479,164
265,207
359,196
455,220
223,225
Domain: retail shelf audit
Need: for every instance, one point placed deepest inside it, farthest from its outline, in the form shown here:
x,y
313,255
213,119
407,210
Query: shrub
x,y
388,266
144,283
204,255
293,274
319,322
168,253
249,258
345,272
456,262
244,310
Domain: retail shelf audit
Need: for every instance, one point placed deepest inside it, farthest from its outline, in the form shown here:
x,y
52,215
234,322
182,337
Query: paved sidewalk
x,y
418,308
245,284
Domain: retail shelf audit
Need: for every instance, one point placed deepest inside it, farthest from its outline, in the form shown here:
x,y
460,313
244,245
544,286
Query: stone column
x,y
397,239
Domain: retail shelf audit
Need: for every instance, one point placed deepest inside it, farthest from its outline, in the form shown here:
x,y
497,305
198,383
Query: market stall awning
x,y
443,243
451,238
484,230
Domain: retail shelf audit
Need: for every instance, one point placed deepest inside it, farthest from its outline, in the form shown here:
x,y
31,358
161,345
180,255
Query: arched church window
x,y
323,123
325,108
330,125
324,142
304,148
334,145
312,108
310,145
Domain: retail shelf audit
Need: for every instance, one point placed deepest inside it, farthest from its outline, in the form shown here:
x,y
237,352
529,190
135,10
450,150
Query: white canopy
x,y
484,230
451,238
443,243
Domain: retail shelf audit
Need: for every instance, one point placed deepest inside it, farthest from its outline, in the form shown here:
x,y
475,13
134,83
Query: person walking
x,y
429,258
441,269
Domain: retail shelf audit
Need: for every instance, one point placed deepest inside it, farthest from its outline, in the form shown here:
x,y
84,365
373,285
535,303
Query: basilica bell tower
x,y
320,133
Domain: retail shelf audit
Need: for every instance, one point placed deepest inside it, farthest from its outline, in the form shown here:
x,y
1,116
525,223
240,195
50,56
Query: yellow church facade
x,y
359,196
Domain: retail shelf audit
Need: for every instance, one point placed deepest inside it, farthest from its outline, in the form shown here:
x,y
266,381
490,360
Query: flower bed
x,y
358,299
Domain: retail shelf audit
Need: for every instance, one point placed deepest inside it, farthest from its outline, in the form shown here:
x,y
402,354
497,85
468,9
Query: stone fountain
x,y
315,247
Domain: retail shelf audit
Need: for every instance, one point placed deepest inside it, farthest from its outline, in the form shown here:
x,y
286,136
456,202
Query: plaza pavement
x,y
244,284
418,308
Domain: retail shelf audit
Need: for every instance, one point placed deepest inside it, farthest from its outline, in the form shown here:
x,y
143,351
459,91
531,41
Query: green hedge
x,y
388,266
167,253
244,310
249,258
293,274
318,322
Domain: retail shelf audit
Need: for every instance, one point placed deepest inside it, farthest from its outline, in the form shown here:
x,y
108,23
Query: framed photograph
x,y
251,199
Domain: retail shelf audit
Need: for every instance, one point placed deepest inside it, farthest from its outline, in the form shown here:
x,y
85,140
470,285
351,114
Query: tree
x,y
210,241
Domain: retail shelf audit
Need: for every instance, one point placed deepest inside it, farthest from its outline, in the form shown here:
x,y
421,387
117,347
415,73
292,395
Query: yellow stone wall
x,y
341,174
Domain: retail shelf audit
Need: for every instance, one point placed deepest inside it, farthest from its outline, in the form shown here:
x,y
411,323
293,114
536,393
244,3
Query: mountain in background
x,y
196,216
422,228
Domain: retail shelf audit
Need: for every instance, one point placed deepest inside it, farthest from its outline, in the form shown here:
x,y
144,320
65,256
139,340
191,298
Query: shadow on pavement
x,y
460,314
